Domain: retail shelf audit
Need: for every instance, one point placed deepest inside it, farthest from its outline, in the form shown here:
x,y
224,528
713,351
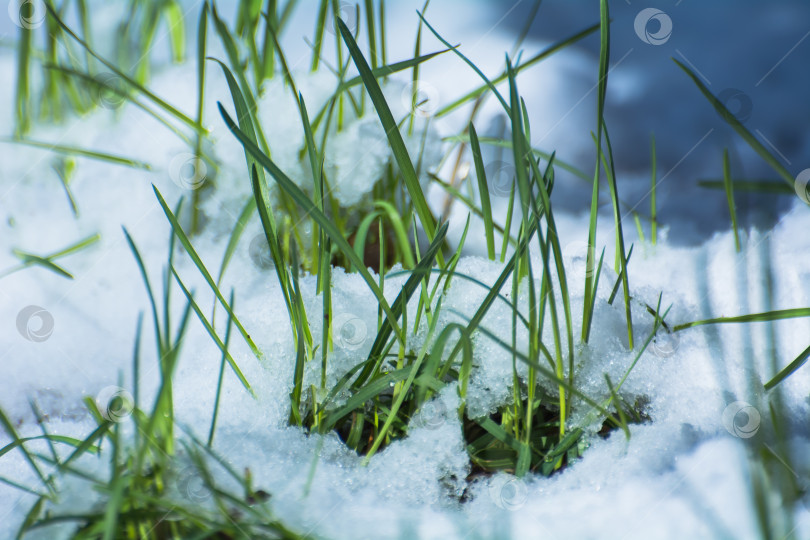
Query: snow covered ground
x,y
685,474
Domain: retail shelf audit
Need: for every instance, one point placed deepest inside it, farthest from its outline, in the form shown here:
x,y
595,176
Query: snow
x,y
686,473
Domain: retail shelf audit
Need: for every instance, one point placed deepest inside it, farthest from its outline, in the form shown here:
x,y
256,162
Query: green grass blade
x,y
732,207
192,253
741,130
394,136
483,192
213,333
789,369
753,317
308,206
74,151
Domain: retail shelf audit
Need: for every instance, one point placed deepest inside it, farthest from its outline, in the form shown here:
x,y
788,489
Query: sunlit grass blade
x,y
394,137
192,253
309,207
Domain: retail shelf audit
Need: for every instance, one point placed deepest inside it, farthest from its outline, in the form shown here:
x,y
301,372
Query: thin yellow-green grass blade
x,y
776,315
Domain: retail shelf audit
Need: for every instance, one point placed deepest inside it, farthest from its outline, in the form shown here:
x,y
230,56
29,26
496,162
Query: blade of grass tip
x,y
213,333
483,192
741,130
604,53
142,268
753,317
126,78
615,289
74,151
29,259
220,378
310,209
192,253
31,517
394,137
789,369
732,207
653,185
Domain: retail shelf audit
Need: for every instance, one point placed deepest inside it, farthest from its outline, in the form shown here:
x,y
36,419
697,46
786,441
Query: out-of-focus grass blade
x,y
177,30
732,207
74,151
181,235
732,120
753,317
757,186
129,80
394,136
